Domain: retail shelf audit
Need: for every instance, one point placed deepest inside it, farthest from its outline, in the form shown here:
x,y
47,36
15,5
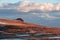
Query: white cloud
x,y
49,16
45,16
28,6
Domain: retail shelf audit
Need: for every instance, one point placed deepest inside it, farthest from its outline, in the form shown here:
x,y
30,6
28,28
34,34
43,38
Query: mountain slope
x,y
17,26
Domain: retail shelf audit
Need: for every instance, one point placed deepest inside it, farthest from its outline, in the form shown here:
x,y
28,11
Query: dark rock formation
x,y
20,19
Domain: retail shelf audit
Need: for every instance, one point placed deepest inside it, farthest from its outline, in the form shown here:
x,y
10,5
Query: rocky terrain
x,y
18,26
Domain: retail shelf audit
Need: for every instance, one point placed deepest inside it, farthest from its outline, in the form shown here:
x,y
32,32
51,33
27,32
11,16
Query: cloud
x,y
38,9
45,16
28,6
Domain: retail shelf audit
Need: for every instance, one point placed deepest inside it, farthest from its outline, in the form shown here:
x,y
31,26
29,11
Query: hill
x,y
17,26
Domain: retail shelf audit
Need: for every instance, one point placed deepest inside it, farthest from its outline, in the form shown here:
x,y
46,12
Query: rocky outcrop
x,y
16,26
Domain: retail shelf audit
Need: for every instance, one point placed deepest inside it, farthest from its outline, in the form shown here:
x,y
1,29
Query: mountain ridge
x,y
17,26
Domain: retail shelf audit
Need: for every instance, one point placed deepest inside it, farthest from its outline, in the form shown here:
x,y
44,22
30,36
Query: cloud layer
x,y
28,6
38,9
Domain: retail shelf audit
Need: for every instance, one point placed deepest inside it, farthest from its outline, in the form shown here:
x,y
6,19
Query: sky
x,y
41,1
